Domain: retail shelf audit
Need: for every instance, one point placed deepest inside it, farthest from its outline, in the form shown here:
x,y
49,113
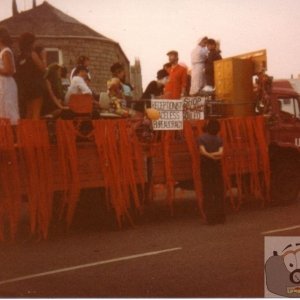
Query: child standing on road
x,y
211,150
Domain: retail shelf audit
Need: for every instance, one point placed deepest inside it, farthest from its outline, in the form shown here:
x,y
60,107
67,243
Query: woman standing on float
x,y
8,89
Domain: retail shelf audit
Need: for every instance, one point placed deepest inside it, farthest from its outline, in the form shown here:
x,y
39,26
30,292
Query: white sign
x,y
171,114
193,108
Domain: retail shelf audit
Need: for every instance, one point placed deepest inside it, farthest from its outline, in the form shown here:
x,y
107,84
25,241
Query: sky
x,y
147,29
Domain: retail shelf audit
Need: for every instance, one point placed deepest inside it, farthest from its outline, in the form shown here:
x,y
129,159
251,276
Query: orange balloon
x,y
153,114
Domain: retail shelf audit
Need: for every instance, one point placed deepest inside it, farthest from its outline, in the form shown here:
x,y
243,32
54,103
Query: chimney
x,y
14,8
34,3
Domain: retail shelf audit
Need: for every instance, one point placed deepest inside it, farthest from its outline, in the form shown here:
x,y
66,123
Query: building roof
x,y
47,21
289,87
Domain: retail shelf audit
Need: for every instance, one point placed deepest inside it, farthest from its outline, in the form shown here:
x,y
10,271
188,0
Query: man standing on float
x,y
175,88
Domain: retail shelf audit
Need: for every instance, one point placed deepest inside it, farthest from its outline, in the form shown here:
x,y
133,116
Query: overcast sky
x,y
149,28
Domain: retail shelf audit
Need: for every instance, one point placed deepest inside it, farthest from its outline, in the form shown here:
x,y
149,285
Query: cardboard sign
x,y
193,108
171,114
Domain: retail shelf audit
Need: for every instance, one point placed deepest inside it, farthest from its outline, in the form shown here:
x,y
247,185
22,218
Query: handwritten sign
x,y
193,108
171,114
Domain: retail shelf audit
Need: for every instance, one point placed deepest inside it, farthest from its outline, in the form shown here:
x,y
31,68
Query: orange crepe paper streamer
x,y
10,186
167,139
68,159
263,152
130,139
35,152
245,152
116,158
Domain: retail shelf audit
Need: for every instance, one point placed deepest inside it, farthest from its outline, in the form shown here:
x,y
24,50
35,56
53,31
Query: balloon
x,y
153,114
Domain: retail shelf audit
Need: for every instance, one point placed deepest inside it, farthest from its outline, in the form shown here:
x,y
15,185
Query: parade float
x,y
128,155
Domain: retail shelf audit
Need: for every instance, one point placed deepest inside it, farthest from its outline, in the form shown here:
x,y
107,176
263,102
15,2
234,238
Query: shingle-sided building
x,y
65,39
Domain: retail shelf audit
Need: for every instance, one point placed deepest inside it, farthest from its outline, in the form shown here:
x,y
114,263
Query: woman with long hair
x,y
30,77
54,98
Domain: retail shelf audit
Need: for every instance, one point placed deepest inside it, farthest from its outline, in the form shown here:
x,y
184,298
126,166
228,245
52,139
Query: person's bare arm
x,y
57,102
214,155
204,152
8,66
38,61
218,154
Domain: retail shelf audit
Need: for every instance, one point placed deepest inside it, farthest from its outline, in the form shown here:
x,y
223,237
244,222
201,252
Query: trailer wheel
x,y
285,175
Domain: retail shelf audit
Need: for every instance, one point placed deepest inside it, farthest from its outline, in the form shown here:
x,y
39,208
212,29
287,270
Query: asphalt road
x,y
209,261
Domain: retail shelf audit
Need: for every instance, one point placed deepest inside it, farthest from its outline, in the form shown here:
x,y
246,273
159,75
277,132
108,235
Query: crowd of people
x,y
29,88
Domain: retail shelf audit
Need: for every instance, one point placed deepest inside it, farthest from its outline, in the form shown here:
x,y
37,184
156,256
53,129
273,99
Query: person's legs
x,y
195,79
209,77
28,114
37,107
208,190
219,194
202,81
33,108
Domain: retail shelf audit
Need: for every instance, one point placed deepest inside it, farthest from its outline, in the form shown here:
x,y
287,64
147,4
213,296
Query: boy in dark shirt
x,y
211,149
156,87
154,90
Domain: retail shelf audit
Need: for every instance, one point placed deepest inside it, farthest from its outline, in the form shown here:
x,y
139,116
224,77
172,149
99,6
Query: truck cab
x,y
285,115
284,140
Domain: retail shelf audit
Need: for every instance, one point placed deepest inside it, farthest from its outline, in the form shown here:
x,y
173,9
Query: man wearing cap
x,y
175,88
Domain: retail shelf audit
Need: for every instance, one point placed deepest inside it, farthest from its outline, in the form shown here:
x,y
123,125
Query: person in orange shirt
x,y
175,88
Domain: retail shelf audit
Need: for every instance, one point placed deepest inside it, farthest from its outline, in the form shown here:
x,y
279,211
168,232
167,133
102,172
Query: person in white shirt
x,y
81,61
198,59
9,108
78,84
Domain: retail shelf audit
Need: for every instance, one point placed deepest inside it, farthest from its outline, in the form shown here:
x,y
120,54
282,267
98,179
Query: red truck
x,y
97,157
284,140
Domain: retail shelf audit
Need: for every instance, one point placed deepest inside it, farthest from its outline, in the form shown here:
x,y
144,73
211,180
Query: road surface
x,y
163,256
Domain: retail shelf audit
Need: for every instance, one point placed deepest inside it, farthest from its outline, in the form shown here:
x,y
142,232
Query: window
x,y
290,106
54,55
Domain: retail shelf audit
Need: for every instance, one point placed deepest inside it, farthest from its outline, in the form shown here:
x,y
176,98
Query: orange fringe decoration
x,y
167,138
245,152
68,159
259,129
9,181
120,163
35,151
246,159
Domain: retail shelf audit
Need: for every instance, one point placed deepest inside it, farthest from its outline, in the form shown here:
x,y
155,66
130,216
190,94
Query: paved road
x,y
213,261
